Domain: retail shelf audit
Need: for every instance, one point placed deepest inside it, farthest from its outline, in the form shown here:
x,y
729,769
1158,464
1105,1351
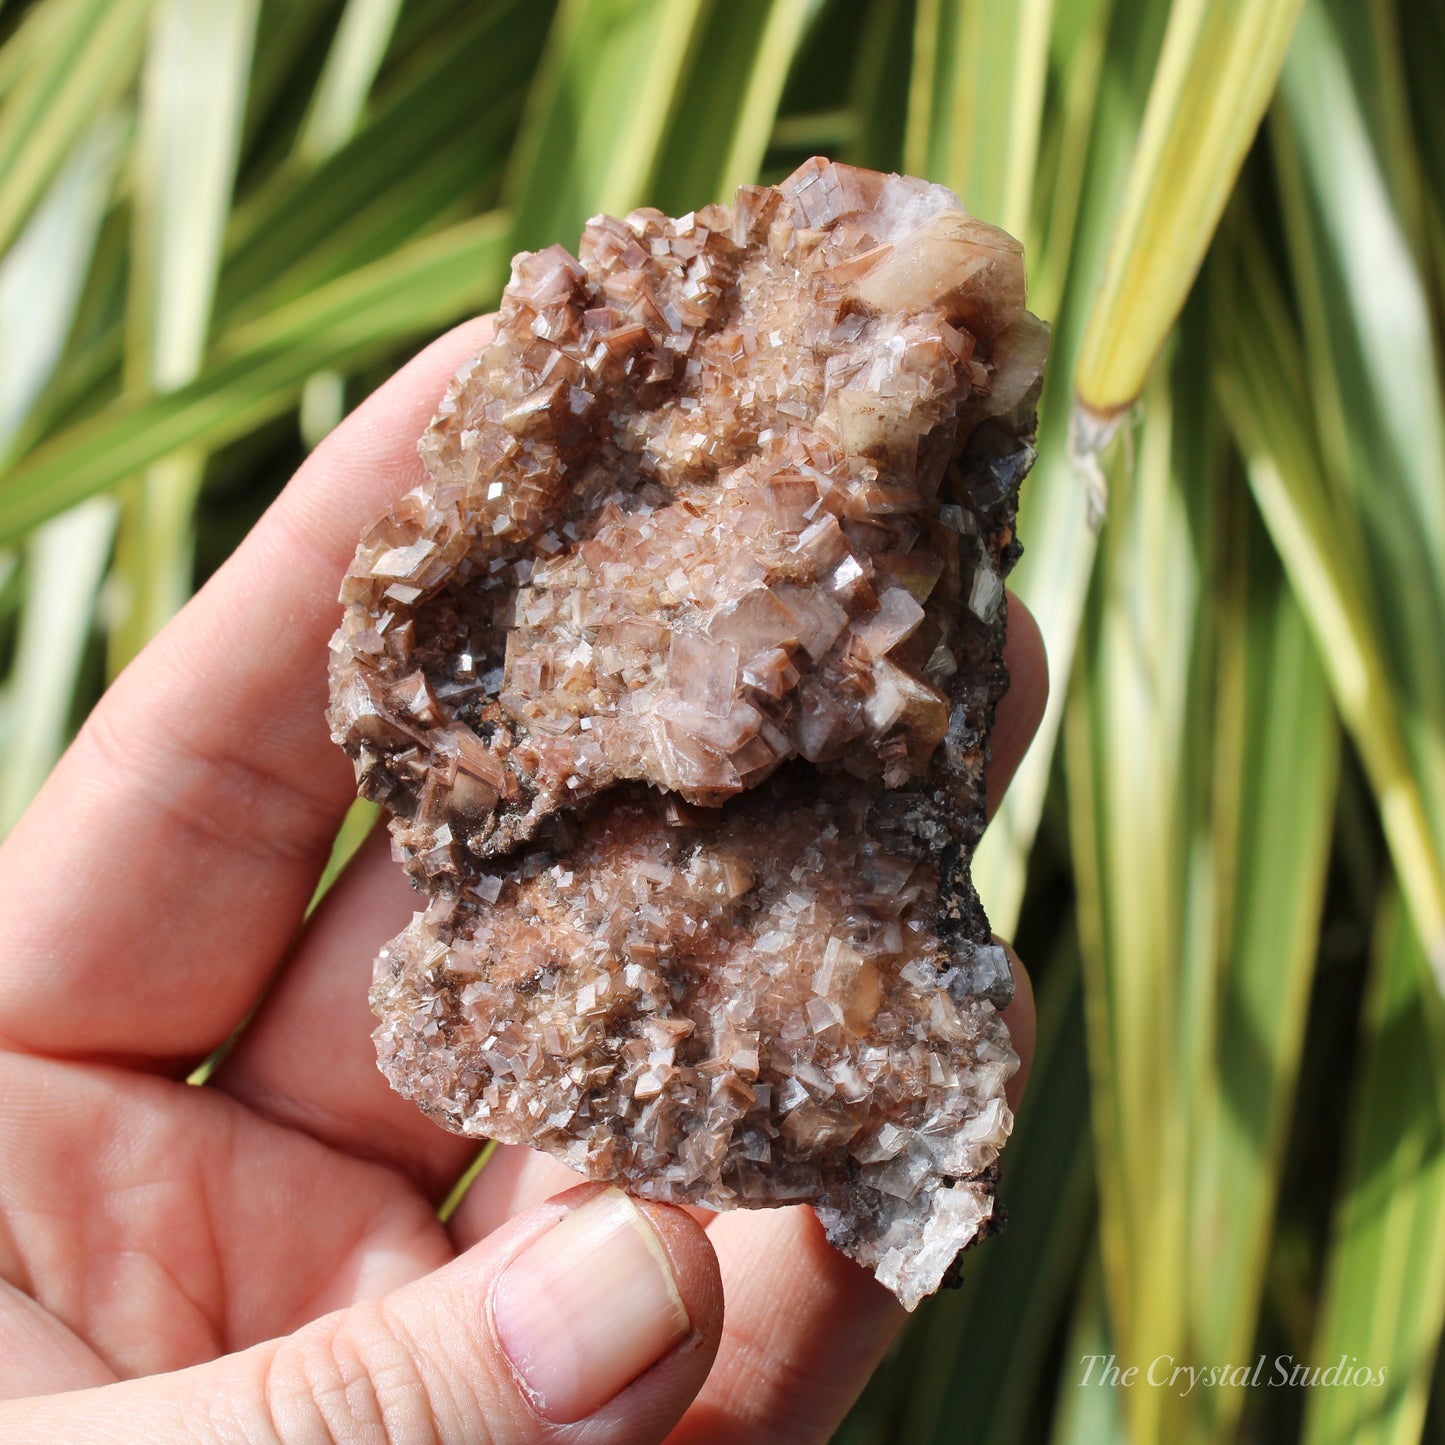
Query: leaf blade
x,y
256,371
1217,71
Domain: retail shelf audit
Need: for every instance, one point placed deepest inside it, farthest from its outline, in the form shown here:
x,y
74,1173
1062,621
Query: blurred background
x,y
223,221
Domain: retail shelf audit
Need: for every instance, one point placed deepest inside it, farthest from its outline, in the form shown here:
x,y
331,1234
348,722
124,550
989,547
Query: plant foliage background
x,y
222,221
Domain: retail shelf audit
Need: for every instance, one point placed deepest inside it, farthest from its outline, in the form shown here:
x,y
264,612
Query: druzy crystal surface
x,y
677,675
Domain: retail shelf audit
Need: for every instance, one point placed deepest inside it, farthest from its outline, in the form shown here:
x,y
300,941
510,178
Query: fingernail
x,y
589,1306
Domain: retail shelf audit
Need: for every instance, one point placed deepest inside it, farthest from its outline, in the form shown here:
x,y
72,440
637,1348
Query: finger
x,y
788,1373
41,1355
780,1374
1021,709
588,1319
512,1181
765,1353
307,1060
161,1225
153,884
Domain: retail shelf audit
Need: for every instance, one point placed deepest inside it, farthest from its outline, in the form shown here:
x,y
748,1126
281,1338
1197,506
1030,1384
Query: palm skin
x,y
154,891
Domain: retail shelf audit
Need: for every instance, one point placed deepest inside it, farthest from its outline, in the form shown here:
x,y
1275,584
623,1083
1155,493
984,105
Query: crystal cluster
x,y
677,675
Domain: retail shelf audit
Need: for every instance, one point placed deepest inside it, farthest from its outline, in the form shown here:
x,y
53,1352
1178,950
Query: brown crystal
x,y
677,676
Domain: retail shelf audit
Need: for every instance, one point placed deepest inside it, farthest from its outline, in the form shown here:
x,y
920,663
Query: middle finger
x,y
307,1060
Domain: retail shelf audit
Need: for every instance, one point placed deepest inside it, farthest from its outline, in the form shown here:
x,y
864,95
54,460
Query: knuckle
x,y
354,1379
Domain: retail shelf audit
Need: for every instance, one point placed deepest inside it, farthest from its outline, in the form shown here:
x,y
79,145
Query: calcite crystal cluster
x,y
677,675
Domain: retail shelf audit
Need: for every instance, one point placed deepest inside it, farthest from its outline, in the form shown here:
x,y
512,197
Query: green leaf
x,y
256,371
975,105
596,118
1218,69
1384,1299
431,142
360,821
351,67
1131,722
65,561
1259,377
78,56
193,98
1090,1406
43,275
1201,763
873,125
192,106
1275,761
1054,524
41,280
1374,376
729,97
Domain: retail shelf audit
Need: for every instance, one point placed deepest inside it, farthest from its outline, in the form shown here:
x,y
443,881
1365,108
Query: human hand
x,y
260,1259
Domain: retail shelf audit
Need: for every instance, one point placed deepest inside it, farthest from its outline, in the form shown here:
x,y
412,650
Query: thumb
x,y
589,1318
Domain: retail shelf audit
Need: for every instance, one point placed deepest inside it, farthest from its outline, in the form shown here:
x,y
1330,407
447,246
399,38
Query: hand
x,y
260,1259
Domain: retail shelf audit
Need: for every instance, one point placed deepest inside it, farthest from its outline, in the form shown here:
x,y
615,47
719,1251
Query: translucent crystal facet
x,y
677,676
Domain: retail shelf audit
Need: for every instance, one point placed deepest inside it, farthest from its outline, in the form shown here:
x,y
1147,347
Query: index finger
x,y
156,880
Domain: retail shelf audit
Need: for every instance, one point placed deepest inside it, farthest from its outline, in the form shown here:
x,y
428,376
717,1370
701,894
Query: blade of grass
x,y
976,103
875,122
1373,368
87,57
1276,757
65,561
193,97
1091,1410
43,275
1199,894
40,29
1216,73
351,66
427,140
393,141
595,120
1370,40
283,74
255,372
1127,735
731,93
440,190
352,63
1080,116
1421,44
40,286
1384,1300
361,817
427,151
1260,381
1059,545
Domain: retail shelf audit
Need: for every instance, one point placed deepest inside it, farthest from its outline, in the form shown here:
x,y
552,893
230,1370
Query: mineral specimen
x,y
677,676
